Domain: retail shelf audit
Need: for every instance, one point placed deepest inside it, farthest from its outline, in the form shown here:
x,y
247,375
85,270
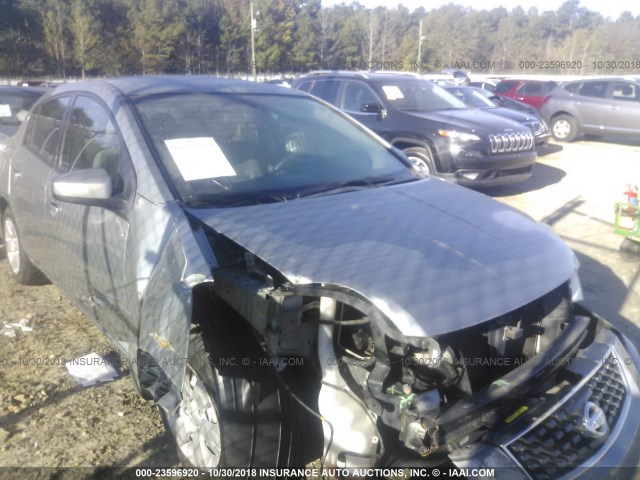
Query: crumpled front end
x,y
546,389
434,339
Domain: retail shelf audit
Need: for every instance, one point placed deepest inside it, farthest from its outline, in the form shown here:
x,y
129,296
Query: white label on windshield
x,y
199,158
392,92
5,111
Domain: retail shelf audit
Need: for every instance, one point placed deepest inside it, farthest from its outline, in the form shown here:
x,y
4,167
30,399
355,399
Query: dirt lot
x,y
47,420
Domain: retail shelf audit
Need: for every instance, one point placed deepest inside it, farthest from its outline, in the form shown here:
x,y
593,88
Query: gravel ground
x,y
48,420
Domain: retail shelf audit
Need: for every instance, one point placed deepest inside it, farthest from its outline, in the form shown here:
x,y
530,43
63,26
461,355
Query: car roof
x,y
630,78
154,85
16,89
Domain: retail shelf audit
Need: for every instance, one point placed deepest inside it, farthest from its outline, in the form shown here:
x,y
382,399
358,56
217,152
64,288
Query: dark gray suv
x,y
433,128
594,106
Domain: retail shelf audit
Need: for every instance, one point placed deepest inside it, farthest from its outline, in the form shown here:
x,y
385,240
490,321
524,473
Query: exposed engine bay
x,y
386,396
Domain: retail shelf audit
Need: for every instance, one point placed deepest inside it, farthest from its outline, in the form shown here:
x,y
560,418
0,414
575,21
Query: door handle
x,y
16,173
613,107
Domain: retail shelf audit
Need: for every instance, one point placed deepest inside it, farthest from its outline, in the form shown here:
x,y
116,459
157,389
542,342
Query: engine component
x,y
350,432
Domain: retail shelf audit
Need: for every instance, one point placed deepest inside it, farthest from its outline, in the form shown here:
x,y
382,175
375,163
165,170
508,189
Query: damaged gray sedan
x,y
288,287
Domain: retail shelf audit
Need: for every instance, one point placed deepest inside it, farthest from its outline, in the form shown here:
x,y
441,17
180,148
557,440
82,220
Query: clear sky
x,y
608,8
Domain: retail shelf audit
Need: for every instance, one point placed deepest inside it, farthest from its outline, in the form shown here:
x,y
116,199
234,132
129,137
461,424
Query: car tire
x,y
232,415
564,128
21,268
421,157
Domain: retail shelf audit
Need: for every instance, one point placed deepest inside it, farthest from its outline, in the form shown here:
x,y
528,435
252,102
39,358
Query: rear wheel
x,y
233,412
564,128
21,268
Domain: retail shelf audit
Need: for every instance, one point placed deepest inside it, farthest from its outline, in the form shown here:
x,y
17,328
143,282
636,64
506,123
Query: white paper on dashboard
x,y
199,158
5,111
392,92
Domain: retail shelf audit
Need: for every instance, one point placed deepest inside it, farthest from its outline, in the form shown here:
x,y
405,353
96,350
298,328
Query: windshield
x,y
471,97
236,149
415,95
15,104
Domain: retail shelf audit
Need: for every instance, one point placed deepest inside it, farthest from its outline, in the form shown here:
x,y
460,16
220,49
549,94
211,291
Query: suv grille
x,y
511,142
536,128
560,443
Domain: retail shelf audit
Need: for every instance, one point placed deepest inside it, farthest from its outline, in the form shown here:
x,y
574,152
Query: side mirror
x,y
85,187
374,108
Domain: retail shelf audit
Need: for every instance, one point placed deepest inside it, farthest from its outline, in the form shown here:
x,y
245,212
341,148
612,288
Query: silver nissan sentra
x,y
288,287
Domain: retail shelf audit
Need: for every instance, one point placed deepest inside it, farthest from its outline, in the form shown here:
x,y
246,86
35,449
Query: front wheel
x,y
233,412
21,268
564,128
422,158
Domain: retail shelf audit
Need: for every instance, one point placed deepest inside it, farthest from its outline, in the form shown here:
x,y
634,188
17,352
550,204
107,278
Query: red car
x,y
533,92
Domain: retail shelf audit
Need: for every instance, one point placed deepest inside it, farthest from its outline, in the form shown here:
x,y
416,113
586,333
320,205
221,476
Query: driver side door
x,y
93,239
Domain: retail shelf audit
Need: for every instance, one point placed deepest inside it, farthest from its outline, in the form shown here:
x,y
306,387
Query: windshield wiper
x,y
238,200
350,186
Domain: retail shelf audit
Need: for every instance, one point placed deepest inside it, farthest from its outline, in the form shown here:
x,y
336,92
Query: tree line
x,y
77,38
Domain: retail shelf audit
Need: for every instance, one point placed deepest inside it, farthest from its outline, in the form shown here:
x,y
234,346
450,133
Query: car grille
x,y
511,142
559,443
536,128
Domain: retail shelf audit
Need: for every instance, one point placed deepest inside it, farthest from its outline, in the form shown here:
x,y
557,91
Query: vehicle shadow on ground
x,y
543,176
548,149
600,281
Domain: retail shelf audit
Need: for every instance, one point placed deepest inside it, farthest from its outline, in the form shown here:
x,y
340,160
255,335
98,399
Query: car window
x,y
625,91
91,139
531,89
505,85
572,87
356,94
594,89
15,105
305,86
471,97
324,89
229,149
548,86
45,128
416,95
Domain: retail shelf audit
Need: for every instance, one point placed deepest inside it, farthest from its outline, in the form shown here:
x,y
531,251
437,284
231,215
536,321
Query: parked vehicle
x,y
597,106
267,264
532,92
487,85
510,103
475,98
15,103
458,77
433,128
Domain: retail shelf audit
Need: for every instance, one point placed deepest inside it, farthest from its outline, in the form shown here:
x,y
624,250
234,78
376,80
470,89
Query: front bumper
x,y
558,442
475,166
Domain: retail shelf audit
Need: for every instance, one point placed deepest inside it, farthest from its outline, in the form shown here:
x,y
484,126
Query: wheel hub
x,y
561,128
197,427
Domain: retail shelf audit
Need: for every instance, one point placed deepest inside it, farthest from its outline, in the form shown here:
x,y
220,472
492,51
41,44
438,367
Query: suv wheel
x,y
21,268
422,158
564,128
231,415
